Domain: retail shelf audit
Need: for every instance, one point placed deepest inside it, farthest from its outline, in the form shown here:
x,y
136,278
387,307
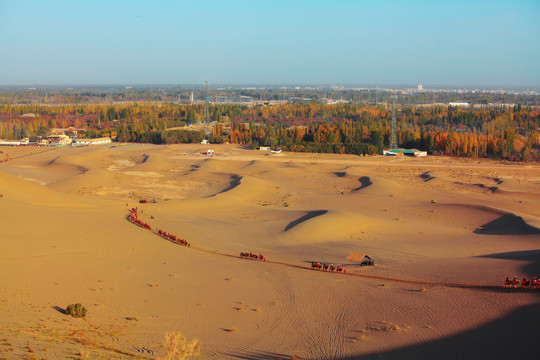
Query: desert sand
x,y
444,233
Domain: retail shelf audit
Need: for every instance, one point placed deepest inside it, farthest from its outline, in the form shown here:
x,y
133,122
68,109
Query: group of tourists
x,y
331,267
533,284
249,255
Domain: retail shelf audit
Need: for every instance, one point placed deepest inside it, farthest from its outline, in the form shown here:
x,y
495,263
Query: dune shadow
x,y
514,336
426,176
53,160
60,310
490,188
532,257
508,224
235,181
309,215
365,181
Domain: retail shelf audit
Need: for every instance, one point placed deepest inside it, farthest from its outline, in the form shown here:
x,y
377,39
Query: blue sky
x,y
454,43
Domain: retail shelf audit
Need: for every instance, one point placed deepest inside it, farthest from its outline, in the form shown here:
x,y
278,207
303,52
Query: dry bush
x,y
76,310
179,348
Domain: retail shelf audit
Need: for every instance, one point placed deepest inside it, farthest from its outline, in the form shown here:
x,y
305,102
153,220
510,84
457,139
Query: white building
x,y
24,141
98,141
462,104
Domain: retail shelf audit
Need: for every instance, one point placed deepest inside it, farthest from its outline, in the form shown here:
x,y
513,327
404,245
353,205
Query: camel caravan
x,y
135,220
164,234
324,267
252,256
173,238
515,283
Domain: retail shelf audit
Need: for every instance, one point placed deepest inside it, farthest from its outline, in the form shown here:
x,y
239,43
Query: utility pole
x,y
206,111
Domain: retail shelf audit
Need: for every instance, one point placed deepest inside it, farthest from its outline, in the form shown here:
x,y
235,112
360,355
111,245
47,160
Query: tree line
x,y
505,133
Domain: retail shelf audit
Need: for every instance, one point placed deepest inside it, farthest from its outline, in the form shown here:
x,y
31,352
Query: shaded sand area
x,y
444,234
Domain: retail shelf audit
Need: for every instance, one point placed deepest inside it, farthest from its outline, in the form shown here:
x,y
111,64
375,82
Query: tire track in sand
x,y
283,318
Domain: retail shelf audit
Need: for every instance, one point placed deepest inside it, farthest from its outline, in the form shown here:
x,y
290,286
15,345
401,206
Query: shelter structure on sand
x,y
363,259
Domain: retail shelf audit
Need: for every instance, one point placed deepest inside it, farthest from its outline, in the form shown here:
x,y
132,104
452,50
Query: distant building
x,y
461,104
63,131
59,140
97,141
405,152
13,142
420,87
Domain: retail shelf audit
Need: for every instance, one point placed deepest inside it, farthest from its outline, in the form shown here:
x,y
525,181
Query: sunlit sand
x,y
444,234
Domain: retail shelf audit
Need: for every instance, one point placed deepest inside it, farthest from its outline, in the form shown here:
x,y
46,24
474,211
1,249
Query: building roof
x,y
405,151
357,256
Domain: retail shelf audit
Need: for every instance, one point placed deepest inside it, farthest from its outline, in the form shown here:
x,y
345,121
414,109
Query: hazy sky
x,y
454,43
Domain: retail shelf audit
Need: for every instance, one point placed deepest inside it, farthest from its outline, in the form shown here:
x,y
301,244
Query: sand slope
x,y
65,238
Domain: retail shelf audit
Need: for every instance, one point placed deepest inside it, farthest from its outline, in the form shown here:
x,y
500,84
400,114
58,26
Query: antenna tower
x,y
206,112
393,136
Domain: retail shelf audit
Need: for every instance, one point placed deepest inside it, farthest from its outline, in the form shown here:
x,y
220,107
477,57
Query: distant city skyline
x,y
482,44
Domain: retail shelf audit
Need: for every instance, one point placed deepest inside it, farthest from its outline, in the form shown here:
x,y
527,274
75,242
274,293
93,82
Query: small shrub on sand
x,y
76,310
179,348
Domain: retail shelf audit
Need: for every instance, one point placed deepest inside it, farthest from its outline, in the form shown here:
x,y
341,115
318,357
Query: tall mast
x,y
393,136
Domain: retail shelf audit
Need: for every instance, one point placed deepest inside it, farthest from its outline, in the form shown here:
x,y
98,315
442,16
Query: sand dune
x,y
327,226
429,224
18,190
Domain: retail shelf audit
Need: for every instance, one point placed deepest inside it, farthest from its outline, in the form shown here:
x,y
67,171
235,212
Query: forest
x,y
510,133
